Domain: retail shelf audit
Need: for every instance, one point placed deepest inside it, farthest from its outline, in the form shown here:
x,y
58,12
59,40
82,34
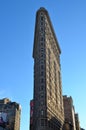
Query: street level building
x,y
31,114
69,113
48,112
9,115
82,129
77,121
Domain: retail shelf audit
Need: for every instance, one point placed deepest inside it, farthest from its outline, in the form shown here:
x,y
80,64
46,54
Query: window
x,y
41,29
41,55
42,122
42,95
42,80
42,112
42,50
42,102
31,107
42,67
42,18
41,13
42,38
41,43
41,23
42,73
41,87
45,122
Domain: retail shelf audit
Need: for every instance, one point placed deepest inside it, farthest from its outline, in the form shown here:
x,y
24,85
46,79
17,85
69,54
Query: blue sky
x,y
17,22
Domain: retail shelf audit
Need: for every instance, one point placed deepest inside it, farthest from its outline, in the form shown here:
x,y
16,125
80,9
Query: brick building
x,y
69,114
9,115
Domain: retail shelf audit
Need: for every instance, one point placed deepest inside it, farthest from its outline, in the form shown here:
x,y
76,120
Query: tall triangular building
x,y
48,113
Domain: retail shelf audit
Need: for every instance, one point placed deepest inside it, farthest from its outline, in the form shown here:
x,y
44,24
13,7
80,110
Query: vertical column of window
x,y
42,37
42,63
55,81
50,87
60,94
42,47
42,19
36,80
42,82
41,51
42,72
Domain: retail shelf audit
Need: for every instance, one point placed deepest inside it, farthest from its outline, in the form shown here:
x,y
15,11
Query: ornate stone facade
x,y
48,101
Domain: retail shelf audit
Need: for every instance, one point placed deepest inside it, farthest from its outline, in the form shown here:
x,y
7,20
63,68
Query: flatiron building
x,y
48,113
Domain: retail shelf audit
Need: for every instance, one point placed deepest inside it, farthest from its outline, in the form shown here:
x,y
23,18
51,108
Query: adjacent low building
x,y
69,113
77,121
9,115
82,129
71,118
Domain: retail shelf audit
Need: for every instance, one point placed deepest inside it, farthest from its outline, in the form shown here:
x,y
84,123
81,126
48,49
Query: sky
x,y
17,25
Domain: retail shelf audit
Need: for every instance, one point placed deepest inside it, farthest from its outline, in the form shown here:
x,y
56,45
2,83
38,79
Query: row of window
x,y
41,55
39,61
50,124
38,67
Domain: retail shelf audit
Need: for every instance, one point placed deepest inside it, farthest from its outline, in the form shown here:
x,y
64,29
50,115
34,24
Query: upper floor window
x,y
41,23
42,122
42,18
42,43
42,73
41,87
42,80
42,38
42,67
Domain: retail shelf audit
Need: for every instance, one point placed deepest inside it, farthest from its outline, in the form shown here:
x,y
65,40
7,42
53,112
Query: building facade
x,y
82,129
69,114
77,121
9,115
48,111
31,114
